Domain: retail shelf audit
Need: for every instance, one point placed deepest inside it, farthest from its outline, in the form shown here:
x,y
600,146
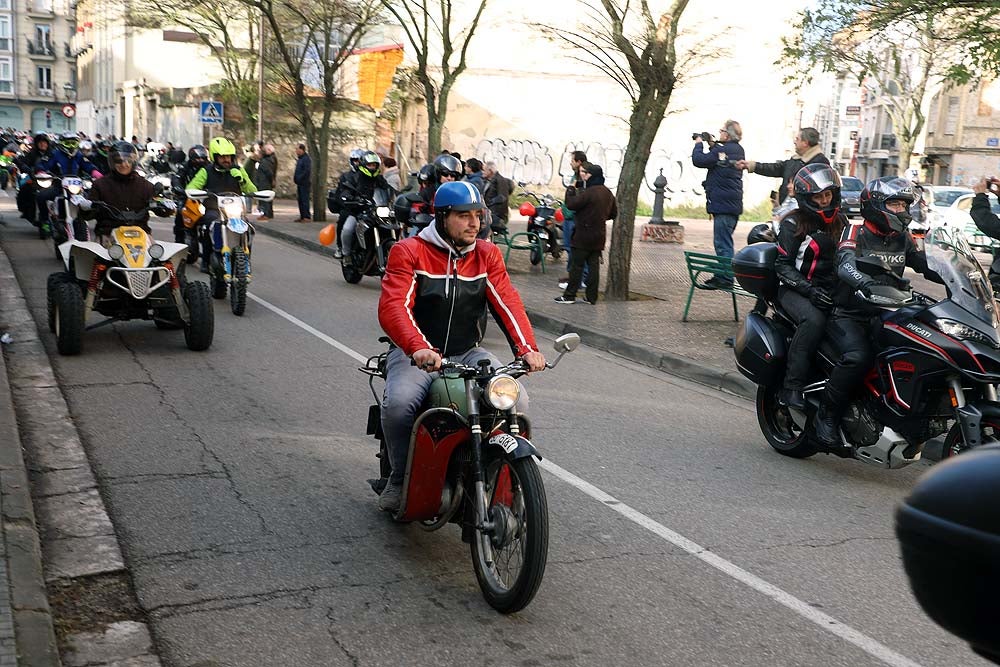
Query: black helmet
x,y
448,165
198,153
762,233
877,194
426,174
813,179
123,152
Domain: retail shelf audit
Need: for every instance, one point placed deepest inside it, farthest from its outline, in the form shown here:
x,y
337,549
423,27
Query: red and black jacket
x,y
435,298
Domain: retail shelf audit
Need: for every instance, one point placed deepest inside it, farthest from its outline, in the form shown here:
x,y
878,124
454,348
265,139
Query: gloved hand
x,y
820,298
236,173
81,201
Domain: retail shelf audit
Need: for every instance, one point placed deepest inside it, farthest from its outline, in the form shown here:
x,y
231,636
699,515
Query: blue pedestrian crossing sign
x,y
211,113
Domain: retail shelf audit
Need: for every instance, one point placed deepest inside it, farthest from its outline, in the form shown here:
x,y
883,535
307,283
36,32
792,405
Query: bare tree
x,y
428,27
900,64
637,50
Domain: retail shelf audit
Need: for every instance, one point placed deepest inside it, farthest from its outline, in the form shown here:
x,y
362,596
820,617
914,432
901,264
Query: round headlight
x,y
116,251
156,251
74,189
234,209
502,392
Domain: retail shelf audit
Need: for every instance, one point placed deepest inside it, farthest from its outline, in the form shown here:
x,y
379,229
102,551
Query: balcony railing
x,y
42,49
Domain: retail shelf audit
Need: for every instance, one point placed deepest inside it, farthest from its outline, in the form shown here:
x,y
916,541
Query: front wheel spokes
x,y
509,524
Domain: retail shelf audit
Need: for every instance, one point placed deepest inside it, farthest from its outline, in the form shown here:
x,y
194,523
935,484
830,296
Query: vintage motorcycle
x,y
230,267
375,234
135,277
936,362
471,463
545,221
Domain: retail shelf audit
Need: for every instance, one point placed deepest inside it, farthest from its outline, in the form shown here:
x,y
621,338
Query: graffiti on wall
x,y
531,162
524,161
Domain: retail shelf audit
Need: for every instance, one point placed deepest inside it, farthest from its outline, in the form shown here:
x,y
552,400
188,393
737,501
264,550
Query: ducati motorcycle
x,y
230,267
471,463
376,232
937,363
545,221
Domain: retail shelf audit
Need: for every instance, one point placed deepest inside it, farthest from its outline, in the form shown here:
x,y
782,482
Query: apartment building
x,y
963,134
37,65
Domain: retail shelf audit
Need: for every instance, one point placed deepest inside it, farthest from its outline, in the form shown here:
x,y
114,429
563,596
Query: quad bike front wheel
x,y
200,329
51,287
510,568
69,318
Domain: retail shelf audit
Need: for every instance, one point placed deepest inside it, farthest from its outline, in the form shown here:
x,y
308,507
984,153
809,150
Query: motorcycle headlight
x,y
116,251
156,251
233,209
44,183
961,331
383,212
502,392
74,189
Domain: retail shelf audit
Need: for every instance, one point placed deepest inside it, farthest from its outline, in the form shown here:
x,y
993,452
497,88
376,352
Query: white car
x,y
941,205
962,221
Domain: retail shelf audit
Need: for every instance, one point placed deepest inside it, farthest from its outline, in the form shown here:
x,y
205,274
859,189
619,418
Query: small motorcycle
x,y
230,267
135,277
376,232
65,217
471,463
544,220
936,363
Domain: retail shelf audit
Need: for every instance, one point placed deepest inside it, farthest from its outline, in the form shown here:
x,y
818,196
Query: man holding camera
x,y
723,188
987,221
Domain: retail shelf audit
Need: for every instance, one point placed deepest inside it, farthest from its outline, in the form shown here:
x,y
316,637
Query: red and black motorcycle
x,y
937,363
544,220
471,463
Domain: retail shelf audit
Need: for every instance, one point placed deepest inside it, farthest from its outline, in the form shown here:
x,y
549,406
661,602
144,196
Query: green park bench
x,y
701,263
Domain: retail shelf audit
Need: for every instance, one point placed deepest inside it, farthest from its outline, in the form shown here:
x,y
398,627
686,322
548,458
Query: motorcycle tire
x,y
351,273
522,491
778,427
194,247
238,284
218,283
954,444
69,318
200,329
536,257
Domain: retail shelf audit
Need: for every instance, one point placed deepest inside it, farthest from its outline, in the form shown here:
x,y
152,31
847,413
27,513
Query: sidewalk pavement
x,y
647,330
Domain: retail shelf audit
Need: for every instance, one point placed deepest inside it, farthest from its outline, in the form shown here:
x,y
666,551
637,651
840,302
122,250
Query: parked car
x,y
941,209
850,193
963,221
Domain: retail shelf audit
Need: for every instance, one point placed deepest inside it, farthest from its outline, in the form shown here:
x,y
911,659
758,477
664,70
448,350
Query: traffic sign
x,y
68,110
211,113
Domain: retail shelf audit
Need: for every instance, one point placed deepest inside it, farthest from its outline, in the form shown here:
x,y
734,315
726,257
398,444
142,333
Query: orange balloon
x,y
328,234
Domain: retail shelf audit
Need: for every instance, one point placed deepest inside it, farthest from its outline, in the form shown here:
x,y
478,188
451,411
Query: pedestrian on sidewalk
x,y
593,205
496,193
807,151
303,182
267,175
723,189
577,161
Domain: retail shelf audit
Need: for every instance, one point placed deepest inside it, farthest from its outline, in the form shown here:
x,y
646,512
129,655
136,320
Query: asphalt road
x,y
236,482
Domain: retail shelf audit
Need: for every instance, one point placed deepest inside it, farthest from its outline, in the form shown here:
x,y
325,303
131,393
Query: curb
x,y
48,474
668,362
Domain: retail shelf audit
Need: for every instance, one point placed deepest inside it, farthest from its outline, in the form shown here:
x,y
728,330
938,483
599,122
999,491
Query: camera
x,y
704,136
993,185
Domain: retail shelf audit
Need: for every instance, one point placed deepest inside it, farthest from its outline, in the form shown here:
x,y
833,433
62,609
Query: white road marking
x,y
859,639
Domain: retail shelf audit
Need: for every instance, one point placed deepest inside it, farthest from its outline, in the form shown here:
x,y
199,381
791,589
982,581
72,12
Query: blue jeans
x,y
725,225
406,387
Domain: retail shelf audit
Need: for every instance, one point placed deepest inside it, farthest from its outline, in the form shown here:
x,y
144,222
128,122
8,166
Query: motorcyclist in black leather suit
x,y
806,269
885,205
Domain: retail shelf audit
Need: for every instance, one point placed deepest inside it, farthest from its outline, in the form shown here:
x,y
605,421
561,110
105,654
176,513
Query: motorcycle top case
x,y
754,269
760,350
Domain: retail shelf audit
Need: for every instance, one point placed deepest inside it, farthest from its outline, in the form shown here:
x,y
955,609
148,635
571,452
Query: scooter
x,y
471,463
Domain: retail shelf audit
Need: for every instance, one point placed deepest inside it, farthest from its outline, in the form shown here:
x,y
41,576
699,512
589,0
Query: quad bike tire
x,y
200,329
51,287
69,318
238,284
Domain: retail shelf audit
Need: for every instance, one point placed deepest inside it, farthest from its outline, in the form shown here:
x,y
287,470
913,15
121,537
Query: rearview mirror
x,y
566,343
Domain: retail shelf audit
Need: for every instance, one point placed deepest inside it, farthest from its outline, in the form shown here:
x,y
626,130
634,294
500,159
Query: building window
x,y
5,33
951,120
43,38
6,74
4,5
44,80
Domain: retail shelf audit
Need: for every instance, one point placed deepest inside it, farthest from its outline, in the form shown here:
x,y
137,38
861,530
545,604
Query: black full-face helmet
x,y
811,180
448,165
880,192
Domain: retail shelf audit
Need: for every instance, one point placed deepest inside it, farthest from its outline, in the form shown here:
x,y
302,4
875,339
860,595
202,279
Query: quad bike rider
x,y
220,175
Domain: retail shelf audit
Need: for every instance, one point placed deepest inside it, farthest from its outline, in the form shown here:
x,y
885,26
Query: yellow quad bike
x,y
133,278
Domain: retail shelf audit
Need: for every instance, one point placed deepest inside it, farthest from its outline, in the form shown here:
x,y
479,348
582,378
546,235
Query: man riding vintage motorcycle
x,y
435,294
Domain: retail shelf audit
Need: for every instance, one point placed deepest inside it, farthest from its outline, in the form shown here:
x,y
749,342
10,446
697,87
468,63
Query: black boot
x,y
826,425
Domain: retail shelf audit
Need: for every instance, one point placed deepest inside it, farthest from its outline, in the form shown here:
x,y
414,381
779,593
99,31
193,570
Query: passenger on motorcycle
x,y
360,183
806,266
28,164
885,205
65,161
447,168
221,175
437,289
197,158
334,197
123,189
